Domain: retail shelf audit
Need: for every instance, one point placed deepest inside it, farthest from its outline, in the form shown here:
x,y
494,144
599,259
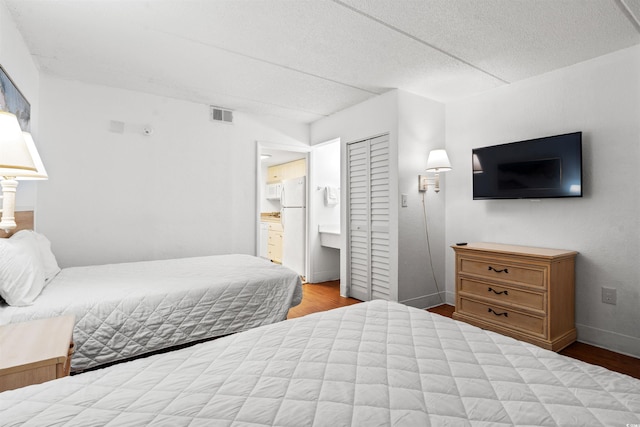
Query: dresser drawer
x,y
502,317
505,295
535,276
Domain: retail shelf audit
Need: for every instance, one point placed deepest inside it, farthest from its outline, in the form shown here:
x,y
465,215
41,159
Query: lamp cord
x,y
426,232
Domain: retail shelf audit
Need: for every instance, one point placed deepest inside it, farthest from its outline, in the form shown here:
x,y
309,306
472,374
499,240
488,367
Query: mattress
x,y
129,309
370,364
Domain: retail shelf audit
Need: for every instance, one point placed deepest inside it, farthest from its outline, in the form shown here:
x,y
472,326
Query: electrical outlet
x,y
609,296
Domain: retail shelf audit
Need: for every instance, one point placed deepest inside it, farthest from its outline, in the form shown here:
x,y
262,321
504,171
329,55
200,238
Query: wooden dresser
x,y
524,292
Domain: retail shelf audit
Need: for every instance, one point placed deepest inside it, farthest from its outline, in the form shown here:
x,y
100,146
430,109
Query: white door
x,y
368,215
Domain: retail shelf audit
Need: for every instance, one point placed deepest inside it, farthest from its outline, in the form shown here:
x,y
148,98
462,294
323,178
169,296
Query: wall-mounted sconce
x,y
437,162
19,159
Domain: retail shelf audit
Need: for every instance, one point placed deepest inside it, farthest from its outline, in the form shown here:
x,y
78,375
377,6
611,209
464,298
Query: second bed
x,y
130,309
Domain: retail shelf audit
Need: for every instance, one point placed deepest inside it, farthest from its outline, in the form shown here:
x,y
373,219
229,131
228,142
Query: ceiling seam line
x,y
269,62
419,40
244,98
626,11
192,90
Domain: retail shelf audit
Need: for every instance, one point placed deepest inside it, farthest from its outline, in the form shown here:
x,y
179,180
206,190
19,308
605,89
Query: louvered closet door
x,y
368,191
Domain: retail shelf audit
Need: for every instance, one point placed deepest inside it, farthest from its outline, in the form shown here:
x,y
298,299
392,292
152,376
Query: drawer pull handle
x,y
496,292
505,314
505,270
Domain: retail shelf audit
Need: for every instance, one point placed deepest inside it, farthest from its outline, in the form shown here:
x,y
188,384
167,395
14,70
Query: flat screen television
x,y
533,169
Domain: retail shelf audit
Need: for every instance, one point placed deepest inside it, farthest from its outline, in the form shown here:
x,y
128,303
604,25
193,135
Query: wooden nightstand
x,y
36,351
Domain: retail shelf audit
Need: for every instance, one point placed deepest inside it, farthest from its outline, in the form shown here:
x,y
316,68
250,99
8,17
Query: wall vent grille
x,y
221,115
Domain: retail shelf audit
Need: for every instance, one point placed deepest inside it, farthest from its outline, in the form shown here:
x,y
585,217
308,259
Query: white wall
x,y
601,98
415,126
373,117
187,190
18,64
421,128
325,172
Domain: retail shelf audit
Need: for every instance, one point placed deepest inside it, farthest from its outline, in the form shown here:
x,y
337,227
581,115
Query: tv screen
x,y
532,169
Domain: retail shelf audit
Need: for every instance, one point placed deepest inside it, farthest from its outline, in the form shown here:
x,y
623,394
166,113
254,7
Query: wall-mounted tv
x,y
533,169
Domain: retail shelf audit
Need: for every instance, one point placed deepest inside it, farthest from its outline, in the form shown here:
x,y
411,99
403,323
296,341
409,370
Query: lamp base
x,y
9,186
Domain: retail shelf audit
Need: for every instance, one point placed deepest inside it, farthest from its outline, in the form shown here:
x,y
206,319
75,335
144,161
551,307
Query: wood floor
x,y
320,297
325,296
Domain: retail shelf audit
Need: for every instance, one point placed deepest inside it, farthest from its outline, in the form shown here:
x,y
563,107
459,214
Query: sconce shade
x,y
15,158
438,161
40,172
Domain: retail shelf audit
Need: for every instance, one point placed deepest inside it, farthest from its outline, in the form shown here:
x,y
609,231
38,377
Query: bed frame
x,y
24,219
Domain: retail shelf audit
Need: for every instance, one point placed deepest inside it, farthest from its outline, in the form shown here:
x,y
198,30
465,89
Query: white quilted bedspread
x,y
125,310
370,364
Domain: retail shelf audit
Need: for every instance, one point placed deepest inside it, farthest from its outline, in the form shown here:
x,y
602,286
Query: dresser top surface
x,y
514,250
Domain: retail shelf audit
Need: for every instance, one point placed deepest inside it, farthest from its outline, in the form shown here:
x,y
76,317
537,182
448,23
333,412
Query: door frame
x,y
313,207
260,183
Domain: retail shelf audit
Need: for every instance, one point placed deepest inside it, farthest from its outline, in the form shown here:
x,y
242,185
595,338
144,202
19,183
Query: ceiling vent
x,y
221,115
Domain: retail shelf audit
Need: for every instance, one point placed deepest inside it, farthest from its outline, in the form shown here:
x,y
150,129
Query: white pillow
x,y
21,273
49,263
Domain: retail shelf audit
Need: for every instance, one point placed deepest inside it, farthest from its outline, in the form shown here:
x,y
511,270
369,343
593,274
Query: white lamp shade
x,y
438,161
41,172
15,158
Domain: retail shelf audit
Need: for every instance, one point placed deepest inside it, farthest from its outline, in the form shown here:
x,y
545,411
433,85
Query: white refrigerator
x,y
293,219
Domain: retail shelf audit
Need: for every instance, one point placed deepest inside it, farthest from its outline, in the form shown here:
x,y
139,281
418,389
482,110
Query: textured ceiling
x,y
306,59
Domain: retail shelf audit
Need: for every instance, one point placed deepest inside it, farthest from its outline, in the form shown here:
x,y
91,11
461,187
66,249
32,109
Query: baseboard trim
x,y
323,276
425,301
609,340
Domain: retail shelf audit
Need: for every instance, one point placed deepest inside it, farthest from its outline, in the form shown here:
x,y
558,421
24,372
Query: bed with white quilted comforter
x,y
370,364
129,309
